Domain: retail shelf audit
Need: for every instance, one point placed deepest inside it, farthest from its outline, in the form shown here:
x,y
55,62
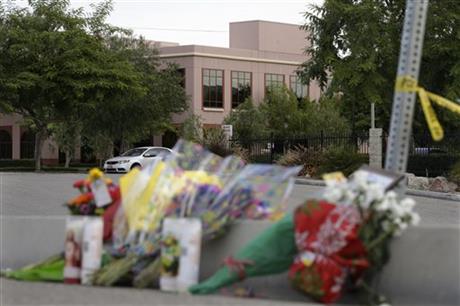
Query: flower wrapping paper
x,y
329,249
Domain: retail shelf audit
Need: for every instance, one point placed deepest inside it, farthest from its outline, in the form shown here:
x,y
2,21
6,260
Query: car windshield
x,y
134,152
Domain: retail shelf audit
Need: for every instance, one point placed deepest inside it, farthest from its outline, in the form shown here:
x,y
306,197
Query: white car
x,y
137,157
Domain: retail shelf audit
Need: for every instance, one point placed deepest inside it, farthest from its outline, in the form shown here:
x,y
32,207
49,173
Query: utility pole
x,y
403,102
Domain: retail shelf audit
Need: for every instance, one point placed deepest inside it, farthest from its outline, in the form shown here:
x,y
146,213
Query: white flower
x,y
373,193
397,210
382,205
414,219
391,195
408,204
333,194
350,196
360,179
402,226
386,225
384,304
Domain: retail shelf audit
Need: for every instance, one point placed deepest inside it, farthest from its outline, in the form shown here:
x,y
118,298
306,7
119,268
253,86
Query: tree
x,y
54,64
281,115
130,118
192,129
280,111
67,136
322,116
247,121
358,42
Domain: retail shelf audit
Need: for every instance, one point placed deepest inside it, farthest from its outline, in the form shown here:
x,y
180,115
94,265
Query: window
x,y
156,152
27,145
299,89
6,145
241,87
213,91
273,80
181,73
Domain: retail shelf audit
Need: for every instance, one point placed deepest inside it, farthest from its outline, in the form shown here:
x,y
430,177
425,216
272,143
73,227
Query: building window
x,y
27,145
241,87
213,91
181,73
6,145
273,80
297,87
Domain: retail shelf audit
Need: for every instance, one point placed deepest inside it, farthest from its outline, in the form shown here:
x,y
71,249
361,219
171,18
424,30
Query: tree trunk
x,y
39,139
68,158
124,146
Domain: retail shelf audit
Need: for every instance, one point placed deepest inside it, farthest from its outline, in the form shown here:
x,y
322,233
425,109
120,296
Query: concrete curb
x,y
418,193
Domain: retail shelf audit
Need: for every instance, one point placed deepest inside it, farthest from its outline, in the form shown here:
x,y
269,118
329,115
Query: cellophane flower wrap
x,y
345,236
193,182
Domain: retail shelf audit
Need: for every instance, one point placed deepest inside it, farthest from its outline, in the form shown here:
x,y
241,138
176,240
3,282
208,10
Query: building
x,y
261,54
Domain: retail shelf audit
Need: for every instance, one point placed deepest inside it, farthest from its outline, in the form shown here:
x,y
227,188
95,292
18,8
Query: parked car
x,y
137,157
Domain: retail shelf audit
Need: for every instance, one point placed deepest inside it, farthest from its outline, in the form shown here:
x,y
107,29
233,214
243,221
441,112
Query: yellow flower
x,y
95,174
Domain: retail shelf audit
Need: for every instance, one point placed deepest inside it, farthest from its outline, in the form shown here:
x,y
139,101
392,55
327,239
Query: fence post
x,y
375,148
322,140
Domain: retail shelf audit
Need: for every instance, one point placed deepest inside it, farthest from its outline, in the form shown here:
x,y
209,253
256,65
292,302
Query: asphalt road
x,y
43,194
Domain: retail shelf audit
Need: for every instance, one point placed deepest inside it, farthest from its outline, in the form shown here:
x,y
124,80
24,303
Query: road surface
x,y
43,194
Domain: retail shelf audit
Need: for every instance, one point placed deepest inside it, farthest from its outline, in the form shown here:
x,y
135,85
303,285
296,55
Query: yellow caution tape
x,y
409,84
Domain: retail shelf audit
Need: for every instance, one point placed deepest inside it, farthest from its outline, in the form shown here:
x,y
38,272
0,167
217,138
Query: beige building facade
x,y
261,54
217,80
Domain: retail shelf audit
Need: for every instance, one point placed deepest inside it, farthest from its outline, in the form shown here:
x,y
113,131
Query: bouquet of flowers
x,y
52,268
85,203
191,182
344,236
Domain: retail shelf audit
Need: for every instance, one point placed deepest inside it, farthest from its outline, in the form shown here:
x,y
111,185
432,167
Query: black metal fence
x,y
426,157
268,150
430,158
27,149
6,150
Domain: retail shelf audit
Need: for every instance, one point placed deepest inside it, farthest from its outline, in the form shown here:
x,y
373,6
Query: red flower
x,y
109,216
80,184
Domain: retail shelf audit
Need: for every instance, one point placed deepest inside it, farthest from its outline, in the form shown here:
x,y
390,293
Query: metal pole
x,y
403,103
373,115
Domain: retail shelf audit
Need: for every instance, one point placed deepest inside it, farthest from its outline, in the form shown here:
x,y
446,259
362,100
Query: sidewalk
x,y
13,293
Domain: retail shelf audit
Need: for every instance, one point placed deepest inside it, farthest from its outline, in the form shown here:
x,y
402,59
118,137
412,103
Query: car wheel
x,y
136,165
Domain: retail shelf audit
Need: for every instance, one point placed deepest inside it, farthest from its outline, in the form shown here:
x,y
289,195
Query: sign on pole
x,y
228,130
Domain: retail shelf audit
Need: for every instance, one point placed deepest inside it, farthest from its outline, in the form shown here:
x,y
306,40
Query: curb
x,y
413,192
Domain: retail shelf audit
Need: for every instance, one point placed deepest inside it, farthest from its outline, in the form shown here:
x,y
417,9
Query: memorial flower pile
x,y
193,183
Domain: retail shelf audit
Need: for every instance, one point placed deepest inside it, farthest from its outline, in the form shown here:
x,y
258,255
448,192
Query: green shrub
x,y
20,163
300,155
344,159
454,173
